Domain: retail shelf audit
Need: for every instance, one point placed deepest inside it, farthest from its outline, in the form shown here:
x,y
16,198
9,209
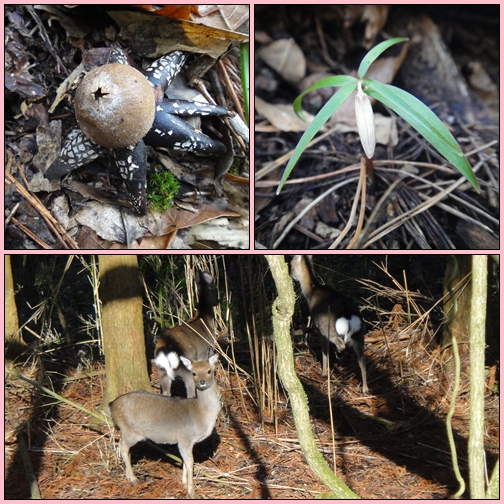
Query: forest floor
x,y
450,53
391,443
47,51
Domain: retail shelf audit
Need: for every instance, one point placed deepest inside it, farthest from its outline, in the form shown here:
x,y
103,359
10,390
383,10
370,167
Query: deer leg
x,y
187,469
124,448
165,381
325,355
358,346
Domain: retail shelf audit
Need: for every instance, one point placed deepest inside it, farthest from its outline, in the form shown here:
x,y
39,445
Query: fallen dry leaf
x,y
282,116
174,219
286,58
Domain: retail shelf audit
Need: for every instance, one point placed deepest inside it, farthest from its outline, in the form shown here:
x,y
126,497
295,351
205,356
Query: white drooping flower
x,y
365,121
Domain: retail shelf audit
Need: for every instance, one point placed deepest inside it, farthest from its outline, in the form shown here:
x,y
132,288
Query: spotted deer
x,y
336,316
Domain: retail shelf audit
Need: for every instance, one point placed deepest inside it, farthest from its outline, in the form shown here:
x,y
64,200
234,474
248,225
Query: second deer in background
x,y
193,340
336,316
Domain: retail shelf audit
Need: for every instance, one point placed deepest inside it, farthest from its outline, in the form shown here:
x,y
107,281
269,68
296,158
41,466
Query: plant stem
x,y
370,172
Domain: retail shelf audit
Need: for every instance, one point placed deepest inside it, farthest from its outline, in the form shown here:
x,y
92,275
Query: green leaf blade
x,y
421,118
320,119
375,52
334,81
245,76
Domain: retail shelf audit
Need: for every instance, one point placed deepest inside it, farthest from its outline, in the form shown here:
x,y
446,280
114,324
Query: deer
x,y
194,339
337,317
170,420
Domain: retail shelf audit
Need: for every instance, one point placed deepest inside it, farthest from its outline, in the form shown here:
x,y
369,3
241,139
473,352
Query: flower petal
x,y
365,121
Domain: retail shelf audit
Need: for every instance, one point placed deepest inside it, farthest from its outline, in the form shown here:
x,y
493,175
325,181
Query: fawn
x,y
336,317
170,420
193,340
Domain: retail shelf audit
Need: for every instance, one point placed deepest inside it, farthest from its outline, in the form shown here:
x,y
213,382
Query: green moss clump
x,y
162,189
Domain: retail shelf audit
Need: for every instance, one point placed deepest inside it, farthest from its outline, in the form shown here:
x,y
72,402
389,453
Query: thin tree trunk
x,y
459,325
493,486
477,367
283,309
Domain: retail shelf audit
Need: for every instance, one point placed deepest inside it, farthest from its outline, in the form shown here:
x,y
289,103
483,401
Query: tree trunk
x,y
14,342
457,277
122,326
477,391
283,309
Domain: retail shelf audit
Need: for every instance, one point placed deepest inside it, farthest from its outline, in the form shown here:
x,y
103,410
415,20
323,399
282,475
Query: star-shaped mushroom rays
x,y
125,139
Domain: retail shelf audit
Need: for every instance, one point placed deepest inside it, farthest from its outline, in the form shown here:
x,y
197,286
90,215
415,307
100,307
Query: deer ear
x,y
187,362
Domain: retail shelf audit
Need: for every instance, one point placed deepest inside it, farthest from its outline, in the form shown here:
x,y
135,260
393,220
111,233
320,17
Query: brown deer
x,y
336,316
170,420
194,339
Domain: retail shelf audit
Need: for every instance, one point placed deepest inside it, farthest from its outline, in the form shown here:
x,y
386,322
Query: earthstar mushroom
x,y
115,106
118,108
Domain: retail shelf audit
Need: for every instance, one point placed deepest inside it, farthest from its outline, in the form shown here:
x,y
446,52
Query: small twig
x,y
11,214
230,89
313,178
325,52
362,209
220,93
30,234
309,234
377,210
45,37
55,226
351,218
398,221
269,167
310,206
